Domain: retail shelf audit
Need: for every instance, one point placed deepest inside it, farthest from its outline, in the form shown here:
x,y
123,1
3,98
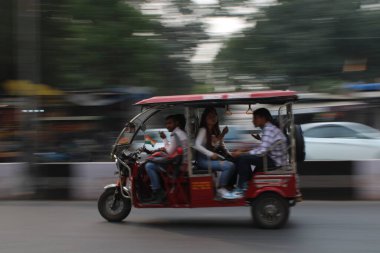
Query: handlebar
x,y
134,154
144,149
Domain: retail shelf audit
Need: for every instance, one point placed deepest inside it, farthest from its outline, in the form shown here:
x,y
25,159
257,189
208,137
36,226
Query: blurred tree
x,y
6,41
181,27
299,41
95,43
53,31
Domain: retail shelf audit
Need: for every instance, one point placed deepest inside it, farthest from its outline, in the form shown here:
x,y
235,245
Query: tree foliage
x,y
305,40
97,43
6,41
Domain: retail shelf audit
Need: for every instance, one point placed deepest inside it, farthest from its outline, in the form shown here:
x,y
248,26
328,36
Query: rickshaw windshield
x,y
132,127
126,134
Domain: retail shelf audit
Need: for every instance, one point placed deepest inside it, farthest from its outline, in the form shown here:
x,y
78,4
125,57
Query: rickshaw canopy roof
x,y
251,97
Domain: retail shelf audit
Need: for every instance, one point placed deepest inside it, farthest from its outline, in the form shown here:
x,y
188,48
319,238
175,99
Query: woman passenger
x,y
209,140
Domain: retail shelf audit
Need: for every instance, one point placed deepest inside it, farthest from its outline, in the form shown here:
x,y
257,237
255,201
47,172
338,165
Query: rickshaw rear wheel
x,y
270,211
113,206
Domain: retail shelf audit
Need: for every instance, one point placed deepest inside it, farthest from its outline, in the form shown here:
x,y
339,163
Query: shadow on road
x,y
200,223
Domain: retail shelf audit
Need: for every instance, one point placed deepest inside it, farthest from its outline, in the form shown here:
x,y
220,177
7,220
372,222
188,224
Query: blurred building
x,y
50,125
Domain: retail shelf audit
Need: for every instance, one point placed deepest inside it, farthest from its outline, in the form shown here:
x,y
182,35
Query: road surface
x,y
76,227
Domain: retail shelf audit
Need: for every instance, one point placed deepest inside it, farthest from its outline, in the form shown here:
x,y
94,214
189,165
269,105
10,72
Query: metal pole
x,y
27,32
26,20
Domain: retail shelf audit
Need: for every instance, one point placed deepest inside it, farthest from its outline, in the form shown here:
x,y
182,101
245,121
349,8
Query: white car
x,y
341,141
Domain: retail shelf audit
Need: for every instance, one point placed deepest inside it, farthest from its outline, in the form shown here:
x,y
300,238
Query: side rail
x,y
276,170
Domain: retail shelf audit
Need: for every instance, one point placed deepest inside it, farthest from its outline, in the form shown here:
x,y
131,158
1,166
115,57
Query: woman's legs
x,y
226,167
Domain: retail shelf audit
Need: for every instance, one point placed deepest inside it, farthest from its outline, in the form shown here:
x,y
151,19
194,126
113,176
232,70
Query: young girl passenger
x,y
209,140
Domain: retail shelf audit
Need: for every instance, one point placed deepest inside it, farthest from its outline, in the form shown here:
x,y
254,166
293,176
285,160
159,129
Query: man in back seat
x,y
273,145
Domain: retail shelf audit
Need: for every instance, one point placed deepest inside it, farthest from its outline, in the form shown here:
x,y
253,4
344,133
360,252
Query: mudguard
x,y
115,185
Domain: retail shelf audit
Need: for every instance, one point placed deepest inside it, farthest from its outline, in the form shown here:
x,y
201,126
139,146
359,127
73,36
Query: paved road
x,y
76,227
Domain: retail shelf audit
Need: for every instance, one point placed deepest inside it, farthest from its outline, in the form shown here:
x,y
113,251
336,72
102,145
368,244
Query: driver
x,y
175,124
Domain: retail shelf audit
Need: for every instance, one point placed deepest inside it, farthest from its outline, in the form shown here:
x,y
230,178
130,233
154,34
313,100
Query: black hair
x,y
263,112
179,119
170,117
215,130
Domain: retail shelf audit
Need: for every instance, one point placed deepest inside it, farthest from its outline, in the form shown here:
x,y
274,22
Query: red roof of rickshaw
x,y
268,96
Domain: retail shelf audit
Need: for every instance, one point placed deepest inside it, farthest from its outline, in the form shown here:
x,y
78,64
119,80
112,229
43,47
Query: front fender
x,y
110,186
126,190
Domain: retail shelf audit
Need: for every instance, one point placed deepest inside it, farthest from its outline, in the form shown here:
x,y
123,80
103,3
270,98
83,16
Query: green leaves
x,y
104,44
305,40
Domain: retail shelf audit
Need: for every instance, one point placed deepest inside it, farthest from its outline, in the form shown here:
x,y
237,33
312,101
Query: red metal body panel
x,y
283,184
203,194
217,97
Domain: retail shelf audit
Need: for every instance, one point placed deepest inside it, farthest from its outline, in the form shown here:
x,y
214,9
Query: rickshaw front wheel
x,y
270,211
113,206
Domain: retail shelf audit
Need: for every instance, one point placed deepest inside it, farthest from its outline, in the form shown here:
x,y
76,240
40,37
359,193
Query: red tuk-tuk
x,y
270,192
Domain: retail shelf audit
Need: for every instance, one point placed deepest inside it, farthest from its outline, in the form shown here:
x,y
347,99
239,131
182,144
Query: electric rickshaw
x,y
271,191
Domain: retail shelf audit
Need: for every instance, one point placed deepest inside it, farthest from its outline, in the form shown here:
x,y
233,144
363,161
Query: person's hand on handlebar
x,y
144,149
163,149
162,135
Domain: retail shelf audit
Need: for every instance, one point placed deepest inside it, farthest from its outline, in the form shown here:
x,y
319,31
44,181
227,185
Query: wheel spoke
x,y
113,205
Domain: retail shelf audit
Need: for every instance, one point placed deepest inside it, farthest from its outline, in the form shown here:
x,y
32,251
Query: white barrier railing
x,y
86,180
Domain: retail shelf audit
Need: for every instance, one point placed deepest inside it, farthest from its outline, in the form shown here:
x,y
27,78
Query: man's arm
x,y
166,143
171,147
266,143
260,150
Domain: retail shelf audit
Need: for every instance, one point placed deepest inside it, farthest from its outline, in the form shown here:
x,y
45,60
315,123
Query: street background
x,y
70,71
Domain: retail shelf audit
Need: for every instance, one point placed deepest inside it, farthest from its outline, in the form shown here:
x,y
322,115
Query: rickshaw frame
x,y
280,185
